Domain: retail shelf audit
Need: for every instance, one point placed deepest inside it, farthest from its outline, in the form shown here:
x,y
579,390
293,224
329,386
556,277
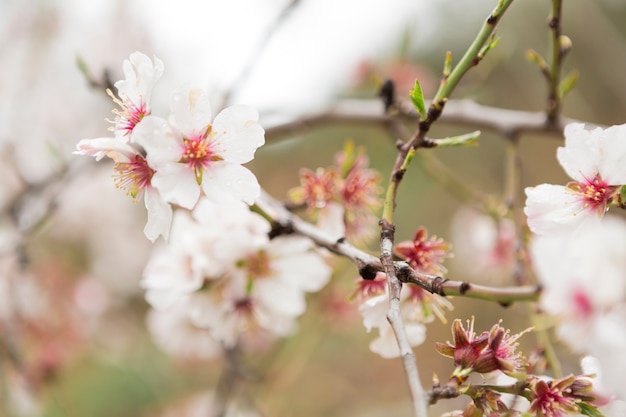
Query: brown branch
x,y
458,112
368,264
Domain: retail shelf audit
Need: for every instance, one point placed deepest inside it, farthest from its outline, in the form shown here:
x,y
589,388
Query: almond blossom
x,y
596,161
230,278
134,175
194,152
135,92
347,191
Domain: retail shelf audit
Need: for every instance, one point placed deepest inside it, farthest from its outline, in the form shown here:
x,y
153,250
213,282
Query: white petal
x,y
162,299
223,182
280,298
141,75
177,184
581,155
114,148
613,168
159,215
306,271
386,344
374,312
190,111
238,133
552,207
158,139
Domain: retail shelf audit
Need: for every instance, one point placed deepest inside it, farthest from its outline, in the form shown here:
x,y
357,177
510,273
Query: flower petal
x,y
552,207
239,134
159,215
190,111
224,182
613,168
159,141
177,184
581,157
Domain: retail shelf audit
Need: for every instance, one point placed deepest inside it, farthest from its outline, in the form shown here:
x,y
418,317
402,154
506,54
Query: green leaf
x,y
492,43
83,67
417,97
589,410
468,139
447,65
568,83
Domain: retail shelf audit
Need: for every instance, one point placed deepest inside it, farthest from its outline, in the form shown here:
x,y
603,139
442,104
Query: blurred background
x,y
72,315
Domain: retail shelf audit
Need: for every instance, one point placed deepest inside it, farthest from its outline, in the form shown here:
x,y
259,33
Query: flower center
x,y
198,153
258,265
133,176
595,193
129,114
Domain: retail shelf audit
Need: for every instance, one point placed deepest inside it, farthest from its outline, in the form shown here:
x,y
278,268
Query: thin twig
x,y
554,82
369,264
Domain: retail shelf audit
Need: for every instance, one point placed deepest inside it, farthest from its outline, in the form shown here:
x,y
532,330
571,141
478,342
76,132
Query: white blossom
x,y
596,161
193,152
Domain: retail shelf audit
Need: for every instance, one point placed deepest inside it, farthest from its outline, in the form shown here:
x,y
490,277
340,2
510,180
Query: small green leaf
x,y
589,410
82,67
447,65
417,97
568,83
468,139
537,59
492,43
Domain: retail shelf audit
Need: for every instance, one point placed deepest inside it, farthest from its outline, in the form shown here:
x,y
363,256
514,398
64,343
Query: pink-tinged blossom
x,y
266,289
194,153
596,161
348,185
134,92
488,351
557,398
484,247
133,175
425,254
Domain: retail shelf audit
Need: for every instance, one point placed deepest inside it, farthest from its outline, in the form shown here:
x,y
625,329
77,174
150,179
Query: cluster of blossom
x,y
578,253
342,197
424,254
173,161
220,280
222,283
514,391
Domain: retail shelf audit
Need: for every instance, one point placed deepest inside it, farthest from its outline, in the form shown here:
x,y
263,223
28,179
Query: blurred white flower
x,y
484,249
265,290
596,161
174,332
582,273
192,152
374,311
584,285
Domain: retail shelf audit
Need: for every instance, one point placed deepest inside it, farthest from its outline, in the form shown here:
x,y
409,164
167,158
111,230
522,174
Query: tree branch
x,y
507,122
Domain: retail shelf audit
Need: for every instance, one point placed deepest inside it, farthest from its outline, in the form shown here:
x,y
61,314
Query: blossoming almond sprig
x,y
172,162
343,196
493,354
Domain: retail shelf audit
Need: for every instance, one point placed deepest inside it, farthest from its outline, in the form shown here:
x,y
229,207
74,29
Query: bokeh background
x,y
72,245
